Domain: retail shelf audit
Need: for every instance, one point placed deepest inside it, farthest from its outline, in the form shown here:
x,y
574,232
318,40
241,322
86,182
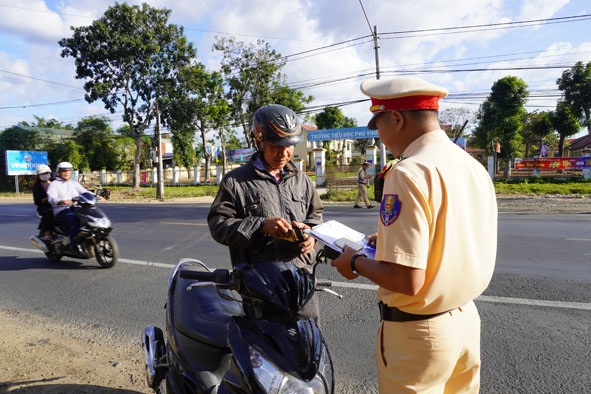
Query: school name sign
x,y
347,133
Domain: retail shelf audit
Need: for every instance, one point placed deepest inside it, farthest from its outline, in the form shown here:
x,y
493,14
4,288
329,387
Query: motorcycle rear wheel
x,y
53,257
106,252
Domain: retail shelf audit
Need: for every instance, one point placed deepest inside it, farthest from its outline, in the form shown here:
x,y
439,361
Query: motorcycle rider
x,y
61,192
40,199
260,202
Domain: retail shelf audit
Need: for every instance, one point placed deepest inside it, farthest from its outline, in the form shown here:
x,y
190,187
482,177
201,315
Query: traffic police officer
x,y
435,246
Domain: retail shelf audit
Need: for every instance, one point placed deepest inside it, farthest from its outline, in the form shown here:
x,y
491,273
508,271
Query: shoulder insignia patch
x,y
390,209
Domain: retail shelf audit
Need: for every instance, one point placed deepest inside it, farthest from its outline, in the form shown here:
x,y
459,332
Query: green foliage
x,y
333,118
543,186
565,122
500,118
97,140
72,152
576,85
329,118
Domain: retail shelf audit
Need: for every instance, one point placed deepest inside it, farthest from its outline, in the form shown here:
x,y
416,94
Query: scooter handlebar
x,y
220,275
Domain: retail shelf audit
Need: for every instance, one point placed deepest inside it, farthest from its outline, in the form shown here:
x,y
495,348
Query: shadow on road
x,y
25,387
16,263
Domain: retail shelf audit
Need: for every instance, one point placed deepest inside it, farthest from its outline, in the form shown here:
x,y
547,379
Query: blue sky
x,y
479,43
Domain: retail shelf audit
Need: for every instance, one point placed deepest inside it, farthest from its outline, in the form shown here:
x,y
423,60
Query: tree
x,y
529,139
500,118
50,124
576,85
253,78
97,140
542,127
457,119
130,57
198,105
565,122
333,118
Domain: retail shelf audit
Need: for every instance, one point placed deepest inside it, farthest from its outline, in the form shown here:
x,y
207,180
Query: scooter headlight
x,y
103,222
275,381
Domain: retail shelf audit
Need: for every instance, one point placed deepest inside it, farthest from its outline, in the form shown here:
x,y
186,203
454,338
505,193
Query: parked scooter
x,y
100,191
238,331
93,239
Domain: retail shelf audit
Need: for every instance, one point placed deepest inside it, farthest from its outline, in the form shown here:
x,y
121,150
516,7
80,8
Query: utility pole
x,y
376,42
160,188
376,47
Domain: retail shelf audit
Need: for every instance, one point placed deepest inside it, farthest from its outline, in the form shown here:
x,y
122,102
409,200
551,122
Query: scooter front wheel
x,y
106,252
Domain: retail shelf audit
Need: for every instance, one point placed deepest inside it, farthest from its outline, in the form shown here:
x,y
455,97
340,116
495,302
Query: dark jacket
x,y
43,208
246,197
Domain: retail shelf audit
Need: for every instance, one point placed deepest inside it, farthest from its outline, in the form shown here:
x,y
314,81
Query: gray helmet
x,y
276,124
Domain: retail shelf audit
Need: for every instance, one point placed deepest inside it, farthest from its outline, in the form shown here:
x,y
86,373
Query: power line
x,y
491,26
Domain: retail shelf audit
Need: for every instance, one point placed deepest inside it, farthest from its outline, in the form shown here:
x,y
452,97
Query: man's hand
x,y
281,229
276,227
307,245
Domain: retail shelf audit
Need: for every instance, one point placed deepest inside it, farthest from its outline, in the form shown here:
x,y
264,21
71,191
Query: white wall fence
x,y
148,177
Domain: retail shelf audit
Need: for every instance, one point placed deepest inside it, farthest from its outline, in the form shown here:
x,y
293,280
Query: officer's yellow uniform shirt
x,y
438,213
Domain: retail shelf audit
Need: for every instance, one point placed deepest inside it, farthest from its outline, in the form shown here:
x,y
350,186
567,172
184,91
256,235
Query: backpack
x,y
379,179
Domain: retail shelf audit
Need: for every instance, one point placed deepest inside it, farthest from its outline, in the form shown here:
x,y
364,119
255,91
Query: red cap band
x,y
404,103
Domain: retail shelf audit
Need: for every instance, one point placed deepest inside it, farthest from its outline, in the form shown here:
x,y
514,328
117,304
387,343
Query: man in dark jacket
x,y
260,202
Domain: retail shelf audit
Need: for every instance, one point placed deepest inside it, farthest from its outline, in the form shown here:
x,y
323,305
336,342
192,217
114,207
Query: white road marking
x,y
361,286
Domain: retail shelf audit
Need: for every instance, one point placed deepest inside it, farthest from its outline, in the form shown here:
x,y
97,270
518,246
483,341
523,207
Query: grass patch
x,y
541,186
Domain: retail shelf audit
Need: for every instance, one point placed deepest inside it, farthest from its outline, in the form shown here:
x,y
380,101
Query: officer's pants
x,y
434,356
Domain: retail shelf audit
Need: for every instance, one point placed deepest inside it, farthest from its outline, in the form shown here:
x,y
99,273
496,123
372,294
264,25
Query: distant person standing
x,y
362,182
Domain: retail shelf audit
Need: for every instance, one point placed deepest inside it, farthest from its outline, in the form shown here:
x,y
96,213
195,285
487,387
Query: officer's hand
x,y
276,227
343,263
371,240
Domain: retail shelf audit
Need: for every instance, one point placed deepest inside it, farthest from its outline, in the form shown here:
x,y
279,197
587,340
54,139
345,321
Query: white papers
x,y
335,234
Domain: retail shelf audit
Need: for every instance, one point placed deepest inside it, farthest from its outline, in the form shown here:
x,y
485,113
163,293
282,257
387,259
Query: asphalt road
x,y
536,314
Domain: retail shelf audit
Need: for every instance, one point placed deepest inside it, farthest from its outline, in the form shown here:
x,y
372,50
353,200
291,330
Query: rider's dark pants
x,y
47,219
69,218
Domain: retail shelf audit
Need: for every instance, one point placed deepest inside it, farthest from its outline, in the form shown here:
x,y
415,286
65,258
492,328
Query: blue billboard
x,y
20,162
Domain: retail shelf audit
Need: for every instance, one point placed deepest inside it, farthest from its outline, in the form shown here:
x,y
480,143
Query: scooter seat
x,y
202,314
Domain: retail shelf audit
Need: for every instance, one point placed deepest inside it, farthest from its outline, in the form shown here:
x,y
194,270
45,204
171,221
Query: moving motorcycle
x,y
239,331
93,239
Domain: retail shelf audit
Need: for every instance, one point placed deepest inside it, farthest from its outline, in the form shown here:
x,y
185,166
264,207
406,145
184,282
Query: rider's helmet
x,y
43,169
276,124
65,166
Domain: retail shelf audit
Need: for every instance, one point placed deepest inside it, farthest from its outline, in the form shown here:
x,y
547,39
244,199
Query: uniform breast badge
x,y
390,209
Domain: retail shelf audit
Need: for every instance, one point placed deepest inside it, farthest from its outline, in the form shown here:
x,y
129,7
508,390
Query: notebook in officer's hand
x,y
336,235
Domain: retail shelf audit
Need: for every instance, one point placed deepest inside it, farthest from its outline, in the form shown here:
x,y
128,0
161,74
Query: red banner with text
x,y
553,163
